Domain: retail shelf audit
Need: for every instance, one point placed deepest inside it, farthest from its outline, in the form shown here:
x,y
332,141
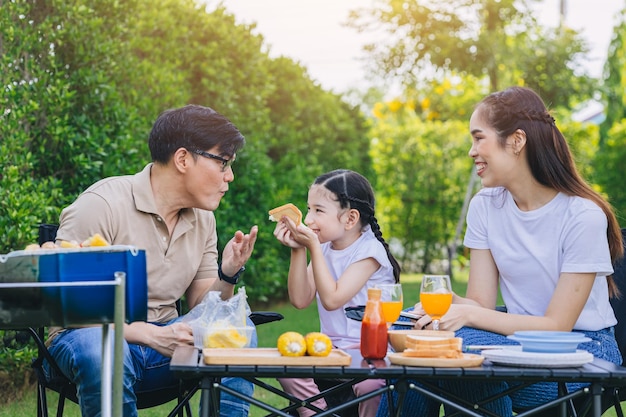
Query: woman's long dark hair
x,y
354,191
547,152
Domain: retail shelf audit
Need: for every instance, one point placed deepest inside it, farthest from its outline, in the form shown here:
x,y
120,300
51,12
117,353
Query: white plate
x,y
516,357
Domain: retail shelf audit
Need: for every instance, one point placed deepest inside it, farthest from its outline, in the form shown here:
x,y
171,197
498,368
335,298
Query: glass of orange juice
x,y
391,299
436,296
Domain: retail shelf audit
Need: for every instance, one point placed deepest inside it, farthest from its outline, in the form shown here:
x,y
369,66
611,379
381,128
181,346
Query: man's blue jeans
x,y
78,352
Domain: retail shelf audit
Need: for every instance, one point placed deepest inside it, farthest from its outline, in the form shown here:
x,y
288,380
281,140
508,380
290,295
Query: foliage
x,y
609,165
422,170
614,90
84,81
24,103
452,97
549,62
15,372
583,140
60,117
609,168
499,39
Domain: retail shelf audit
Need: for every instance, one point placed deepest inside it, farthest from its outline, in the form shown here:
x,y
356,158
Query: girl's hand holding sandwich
x,y
294,236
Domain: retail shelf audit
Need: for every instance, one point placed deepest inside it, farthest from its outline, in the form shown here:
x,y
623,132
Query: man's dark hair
x,y
193,127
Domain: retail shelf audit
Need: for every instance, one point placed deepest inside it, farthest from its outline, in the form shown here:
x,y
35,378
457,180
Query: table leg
x,y
562,390
106,378
206,403
113,354
596,392
401,387
209,397
118,358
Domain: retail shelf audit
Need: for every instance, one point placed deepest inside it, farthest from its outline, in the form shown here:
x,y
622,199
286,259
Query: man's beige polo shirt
x,y
122,209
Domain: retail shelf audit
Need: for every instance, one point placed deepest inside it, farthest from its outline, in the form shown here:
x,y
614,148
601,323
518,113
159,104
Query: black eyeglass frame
x,y
226,163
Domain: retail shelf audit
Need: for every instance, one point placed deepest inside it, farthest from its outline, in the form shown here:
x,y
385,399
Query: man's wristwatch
x,y
231,280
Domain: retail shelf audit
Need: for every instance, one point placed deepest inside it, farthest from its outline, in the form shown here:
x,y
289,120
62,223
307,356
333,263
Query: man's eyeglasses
x,y
226,163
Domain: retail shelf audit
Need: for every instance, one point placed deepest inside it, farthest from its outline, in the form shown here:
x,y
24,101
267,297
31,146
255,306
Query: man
x,y
166,209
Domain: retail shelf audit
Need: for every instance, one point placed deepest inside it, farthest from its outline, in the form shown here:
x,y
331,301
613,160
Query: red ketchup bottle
x,y
373,327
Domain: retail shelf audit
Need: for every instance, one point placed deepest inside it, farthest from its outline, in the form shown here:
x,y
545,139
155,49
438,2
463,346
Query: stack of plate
x,y
542,349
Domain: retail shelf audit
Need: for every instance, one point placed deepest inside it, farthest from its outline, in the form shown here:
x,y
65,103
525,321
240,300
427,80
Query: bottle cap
x,y
374,293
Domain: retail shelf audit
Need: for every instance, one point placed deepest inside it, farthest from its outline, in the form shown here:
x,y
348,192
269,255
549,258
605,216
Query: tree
x,y
610,170
421,168
609,165
83,83
49,88
497,39
614,89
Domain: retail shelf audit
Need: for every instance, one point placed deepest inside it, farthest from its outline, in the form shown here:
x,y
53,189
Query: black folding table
x,y
187,362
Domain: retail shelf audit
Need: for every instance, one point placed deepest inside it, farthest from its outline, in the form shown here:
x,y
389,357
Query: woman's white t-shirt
x,y
345,332
532,248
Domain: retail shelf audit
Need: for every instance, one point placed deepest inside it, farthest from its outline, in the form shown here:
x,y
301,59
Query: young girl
x,y
539,233
348,255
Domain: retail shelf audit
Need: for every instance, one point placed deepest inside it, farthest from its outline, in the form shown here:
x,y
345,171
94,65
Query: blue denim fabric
x,y
78,352
602,345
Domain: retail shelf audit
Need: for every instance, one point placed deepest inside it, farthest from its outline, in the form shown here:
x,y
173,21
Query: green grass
x,y
303,321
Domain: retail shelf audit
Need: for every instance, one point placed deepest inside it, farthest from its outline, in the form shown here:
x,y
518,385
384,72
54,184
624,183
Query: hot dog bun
x,y
288,210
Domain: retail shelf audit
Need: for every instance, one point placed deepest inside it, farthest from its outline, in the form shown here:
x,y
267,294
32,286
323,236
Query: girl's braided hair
x,y
354,191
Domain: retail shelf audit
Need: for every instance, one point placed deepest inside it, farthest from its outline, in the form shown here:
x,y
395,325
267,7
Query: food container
x,y
42,305
220,335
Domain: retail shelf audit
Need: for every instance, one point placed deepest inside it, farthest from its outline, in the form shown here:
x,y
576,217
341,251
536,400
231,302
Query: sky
x,y
311,33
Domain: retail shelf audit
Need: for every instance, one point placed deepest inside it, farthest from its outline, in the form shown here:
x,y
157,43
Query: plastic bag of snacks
x,y
218,323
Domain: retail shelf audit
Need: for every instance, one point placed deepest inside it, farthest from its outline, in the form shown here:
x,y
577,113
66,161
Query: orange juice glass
x,y
391,300
436,296
391,310
436,305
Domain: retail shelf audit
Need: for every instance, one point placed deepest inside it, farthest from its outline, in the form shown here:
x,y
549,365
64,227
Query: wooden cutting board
x,y
271,356
468,360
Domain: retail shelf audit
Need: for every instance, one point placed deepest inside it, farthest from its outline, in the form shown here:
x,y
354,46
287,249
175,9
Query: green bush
x,y
84,82
16,354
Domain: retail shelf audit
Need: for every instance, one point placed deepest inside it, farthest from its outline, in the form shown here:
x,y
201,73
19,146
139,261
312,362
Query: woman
x,y
539,233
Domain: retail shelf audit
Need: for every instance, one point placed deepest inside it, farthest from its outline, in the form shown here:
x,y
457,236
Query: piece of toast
x,y
433,347
288,210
